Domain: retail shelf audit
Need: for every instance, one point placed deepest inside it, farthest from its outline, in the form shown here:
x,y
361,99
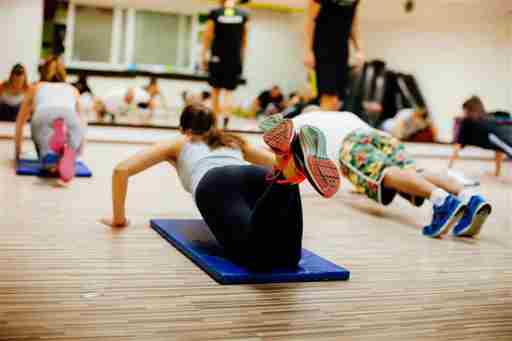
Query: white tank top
x,y
55,96
335,125
196,159
12,100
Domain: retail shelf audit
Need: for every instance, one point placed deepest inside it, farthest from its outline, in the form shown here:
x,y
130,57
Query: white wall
x,y
274,54
21,26
452,56
509,39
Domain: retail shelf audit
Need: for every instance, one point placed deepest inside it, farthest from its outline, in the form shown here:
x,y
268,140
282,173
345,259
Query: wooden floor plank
x,y
64,276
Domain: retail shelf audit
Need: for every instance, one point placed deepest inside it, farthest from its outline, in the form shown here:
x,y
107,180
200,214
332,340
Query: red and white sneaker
x,y
280,138
309,152
321,171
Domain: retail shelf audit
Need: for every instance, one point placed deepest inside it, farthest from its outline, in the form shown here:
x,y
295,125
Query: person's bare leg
x,y
443,181
216,102
329,102
228,106
408,181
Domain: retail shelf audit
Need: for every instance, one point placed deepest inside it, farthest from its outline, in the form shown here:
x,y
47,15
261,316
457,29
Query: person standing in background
x,y
330,26
226,40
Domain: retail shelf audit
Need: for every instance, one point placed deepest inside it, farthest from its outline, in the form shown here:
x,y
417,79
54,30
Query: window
x,y
92,34
128,39
163,39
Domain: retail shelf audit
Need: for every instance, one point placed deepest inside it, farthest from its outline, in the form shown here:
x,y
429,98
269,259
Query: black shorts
x,y
332,76
8,113
224,75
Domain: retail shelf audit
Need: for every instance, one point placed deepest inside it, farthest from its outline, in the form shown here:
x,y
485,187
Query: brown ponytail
x,y
199,120
216,138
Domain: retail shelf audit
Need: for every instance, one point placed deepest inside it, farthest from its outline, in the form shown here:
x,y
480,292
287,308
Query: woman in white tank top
x,y
12,93
57,130
255,213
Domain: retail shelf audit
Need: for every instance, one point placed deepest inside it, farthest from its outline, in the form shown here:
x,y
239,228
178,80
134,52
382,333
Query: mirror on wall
x,y
134,67
421,62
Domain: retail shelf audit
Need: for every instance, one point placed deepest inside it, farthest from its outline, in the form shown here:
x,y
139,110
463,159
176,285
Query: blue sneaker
x,y
445,217
477,211
50,161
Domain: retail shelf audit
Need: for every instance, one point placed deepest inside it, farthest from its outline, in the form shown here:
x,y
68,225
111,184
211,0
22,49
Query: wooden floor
x,y
64,276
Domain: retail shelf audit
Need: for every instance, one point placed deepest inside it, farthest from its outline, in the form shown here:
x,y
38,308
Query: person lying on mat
x,y
56,126
406,123
377,165
123,102
480,129
255,212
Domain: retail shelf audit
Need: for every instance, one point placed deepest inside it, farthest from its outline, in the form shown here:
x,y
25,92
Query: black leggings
x,y
257,222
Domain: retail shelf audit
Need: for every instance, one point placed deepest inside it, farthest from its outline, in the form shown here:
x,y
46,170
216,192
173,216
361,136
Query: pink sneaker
x,y
66,165
58,139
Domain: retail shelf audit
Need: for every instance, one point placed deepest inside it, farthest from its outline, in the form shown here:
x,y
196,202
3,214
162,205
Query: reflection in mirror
x,y
132,66
422,62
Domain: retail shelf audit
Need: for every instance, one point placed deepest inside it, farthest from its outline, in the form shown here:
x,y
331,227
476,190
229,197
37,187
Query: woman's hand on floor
x,y
115,223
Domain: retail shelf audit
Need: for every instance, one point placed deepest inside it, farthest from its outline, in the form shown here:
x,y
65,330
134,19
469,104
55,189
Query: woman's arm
x,y
139,162
309,31
23,116
455,155
500,156
258,156
209,34
245,39
355,37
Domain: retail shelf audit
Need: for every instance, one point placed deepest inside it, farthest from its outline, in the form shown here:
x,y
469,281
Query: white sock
x,y
438,196
466,195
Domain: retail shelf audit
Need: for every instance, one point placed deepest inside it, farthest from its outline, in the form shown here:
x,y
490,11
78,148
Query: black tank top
x,y
229,31
333,27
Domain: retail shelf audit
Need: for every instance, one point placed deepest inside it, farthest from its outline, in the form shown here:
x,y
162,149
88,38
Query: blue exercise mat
x,y
194,239
33,167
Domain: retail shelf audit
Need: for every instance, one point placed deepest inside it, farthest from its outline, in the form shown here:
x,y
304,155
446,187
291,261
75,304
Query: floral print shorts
x,y
364,157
